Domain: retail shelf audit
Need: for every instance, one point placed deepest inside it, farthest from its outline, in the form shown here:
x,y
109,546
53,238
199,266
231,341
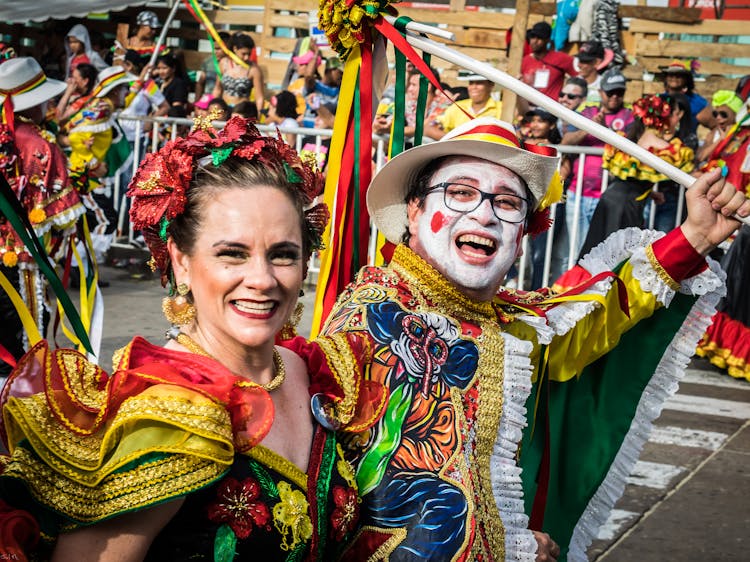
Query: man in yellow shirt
x,y
480,103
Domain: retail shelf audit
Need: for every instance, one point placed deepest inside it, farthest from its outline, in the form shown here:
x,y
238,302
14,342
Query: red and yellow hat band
x,y
27,86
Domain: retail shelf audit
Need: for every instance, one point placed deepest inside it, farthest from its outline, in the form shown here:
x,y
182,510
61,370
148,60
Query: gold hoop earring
x,y
289,329
178,310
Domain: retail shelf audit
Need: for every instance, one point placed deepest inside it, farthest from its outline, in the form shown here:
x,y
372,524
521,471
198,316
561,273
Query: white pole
x,y
562,112
164,30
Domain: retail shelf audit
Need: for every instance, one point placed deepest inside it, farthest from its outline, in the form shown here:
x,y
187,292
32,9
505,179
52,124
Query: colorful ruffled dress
x,y
727,341
623,203
526,408
167,424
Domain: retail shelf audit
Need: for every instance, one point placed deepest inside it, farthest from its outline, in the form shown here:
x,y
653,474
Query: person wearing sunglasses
x,y
726,104
611,113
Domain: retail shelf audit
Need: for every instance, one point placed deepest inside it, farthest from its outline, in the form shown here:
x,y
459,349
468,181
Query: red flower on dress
x,y
346,512
238,505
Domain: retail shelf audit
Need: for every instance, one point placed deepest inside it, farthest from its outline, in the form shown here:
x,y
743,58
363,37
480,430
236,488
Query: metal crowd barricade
x,y
380,144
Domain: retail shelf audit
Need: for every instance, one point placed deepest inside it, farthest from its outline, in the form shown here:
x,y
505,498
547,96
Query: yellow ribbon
x,y
29,325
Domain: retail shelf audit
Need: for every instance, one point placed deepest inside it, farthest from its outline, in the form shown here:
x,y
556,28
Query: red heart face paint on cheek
x,y
438,221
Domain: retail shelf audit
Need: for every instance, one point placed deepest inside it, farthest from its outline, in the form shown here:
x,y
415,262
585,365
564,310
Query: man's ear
x,y
413,211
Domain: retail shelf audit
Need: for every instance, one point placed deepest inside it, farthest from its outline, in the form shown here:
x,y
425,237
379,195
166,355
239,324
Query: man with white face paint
x,y
466,362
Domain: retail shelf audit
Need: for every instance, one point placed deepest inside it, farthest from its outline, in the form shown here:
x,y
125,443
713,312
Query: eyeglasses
x,y
618,93
722,114
465,199
570,96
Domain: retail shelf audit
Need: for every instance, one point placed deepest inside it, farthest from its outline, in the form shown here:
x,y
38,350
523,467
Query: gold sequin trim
x,y
660,271
283,466
386,549
81,378
84,458
343,364
143,486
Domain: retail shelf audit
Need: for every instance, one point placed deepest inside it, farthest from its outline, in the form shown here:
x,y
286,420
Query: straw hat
x,y
487,138
110,78
24,80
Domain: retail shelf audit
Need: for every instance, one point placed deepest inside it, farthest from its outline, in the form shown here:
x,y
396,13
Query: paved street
x,y
688,497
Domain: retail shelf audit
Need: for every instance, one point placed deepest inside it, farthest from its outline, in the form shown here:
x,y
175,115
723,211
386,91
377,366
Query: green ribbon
x,y
399,106
421,103
11,208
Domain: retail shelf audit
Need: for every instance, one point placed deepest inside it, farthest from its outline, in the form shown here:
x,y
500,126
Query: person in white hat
x,y
93,133
440,474
480,103
35,170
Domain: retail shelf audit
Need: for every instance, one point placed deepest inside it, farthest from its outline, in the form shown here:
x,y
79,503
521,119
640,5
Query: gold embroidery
x,y
386,549
87,458
151,183
660,271
343,364
290,517
283,466
82,379
145,485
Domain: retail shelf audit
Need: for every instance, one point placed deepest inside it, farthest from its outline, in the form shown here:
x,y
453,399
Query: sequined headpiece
x,y
653,111
160,186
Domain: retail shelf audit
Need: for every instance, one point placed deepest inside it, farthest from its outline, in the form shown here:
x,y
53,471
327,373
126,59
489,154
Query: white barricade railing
x,y
575,238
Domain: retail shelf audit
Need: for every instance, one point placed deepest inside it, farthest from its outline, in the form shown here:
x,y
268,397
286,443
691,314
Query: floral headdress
x,y
159,187
653,111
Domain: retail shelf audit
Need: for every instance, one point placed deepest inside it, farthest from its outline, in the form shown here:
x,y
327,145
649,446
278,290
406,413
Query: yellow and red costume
x,y
468,381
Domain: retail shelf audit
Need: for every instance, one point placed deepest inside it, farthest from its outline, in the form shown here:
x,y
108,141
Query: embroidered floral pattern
x,y
290,517
346,512
238,504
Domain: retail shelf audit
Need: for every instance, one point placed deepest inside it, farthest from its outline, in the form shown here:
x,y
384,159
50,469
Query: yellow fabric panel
x,y
600,331
452,117
163,418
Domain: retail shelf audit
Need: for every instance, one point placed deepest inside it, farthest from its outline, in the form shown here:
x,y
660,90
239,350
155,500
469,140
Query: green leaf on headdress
x,y
218,155
291,175
225,544
163,225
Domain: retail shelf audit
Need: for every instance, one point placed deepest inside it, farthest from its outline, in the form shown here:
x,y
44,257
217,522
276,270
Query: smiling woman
x,y
213,432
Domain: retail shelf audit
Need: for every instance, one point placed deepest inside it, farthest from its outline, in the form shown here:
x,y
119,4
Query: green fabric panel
x,y
589,418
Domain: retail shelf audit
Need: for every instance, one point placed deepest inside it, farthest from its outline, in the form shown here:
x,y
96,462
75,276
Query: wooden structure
x,y
652,39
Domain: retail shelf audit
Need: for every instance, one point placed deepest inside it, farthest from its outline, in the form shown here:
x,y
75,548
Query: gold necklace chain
x,y
278,363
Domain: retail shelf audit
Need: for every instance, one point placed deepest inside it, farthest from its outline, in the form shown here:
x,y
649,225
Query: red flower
x,y
238,505
346,512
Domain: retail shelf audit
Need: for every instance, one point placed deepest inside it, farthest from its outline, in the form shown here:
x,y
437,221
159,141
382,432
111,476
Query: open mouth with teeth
x,y
255,309
476,246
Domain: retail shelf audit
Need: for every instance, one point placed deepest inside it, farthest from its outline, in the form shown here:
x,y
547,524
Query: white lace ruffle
x,y
626,244
663,384
38,286
60,221
520,544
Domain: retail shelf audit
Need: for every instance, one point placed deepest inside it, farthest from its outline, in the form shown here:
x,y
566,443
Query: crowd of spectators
x,y
231,82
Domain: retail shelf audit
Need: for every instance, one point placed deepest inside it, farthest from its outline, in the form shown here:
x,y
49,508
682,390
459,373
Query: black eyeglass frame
x,y
723,114
570,96
483,196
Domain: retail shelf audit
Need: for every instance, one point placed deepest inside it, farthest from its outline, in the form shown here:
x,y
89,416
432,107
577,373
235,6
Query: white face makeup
x,y
473,250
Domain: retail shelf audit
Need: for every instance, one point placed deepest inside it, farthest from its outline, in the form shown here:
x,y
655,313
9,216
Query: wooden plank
x,y
708,67
520,25
705,27
273,71
297,22
292,5
490,20
483,38
238,17
671,15
682,49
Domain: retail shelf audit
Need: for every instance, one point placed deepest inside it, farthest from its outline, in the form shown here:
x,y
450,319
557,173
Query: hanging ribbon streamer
x,y
356,31
200,16
17,217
